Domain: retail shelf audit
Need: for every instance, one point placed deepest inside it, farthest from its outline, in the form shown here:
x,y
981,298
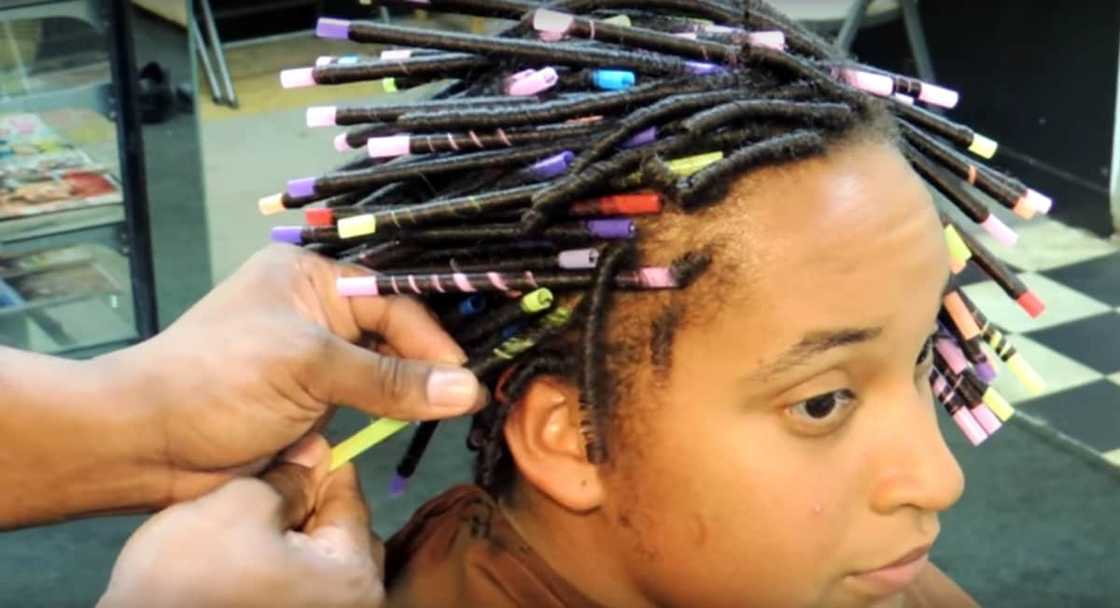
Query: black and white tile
x,y
1075,344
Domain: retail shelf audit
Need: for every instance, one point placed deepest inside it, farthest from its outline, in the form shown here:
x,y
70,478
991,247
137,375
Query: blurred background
x,y
136,138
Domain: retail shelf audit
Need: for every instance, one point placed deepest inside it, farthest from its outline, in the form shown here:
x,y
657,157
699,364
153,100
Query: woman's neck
x,y
577,546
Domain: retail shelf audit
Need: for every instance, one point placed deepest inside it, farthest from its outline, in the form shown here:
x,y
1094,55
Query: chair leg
x,y
200,46
852,23
223,69
917,37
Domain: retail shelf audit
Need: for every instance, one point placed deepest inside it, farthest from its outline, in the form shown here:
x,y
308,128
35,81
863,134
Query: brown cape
x,y
459,550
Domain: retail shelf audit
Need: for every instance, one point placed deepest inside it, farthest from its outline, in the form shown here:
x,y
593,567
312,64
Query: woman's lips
x,y
897,575
916,554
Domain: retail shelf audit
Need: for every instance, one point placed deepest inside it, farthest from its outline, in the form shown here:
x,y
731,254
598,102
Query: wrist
x,y
71,447
125,410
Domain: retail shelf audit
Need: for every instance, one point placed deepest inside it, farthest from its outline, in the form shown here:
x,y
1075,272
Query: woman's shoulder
x,y
459,550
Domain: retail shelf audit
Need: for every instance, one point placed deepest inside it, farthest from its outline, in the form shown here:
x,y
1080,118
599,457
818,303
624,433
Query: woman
x,y
732,408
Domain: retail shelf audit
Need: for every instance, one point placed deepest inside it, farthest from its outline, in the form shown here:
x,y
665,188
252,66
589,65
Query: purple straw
x,y
553,166
333,29
611,229
288,234
699,68
640,139
397,486
985,372
299,188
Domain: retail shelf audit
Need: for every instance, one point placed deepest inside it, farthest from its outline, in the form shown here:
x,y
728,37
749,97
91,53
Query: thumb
x,y
384,386
294,482
283,497
340,527
332,555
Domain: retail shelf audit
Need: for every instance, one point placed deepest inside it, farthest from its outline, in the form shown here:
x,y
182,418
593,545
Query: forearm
x,y
71,445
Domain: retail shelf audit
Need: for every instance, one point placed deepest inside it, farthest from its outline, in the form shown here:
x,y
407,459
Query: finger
x,y
332,554
386,350
296,480
324,421
409,327
402,321
377,551
341,524
404,389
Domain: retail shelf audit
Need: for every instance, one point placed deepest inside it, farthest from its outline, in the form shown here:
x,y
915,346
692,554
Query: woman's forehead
x,y
848,237
858,210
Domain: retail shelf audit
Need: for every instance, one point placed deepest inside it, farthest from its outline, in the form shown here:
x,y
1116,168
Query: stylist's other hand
x,y
261,361
299,537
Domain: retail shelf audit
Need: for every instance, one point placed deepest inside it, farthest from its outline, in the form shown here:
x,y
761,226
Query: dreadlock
x,y
488,199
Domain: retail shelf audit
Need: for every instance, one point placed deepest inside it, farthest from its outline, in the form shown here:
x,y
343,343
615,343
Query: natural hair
x,y
710,105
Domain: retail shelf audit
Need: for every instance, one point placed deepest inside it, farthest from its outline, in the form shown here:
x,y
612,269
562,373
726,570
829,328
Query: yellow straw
x,y
375,433
999,406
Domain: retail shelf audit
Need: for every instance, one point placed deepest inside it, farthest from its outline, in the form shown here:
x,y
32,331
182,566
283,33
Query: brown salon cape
x,y
459,550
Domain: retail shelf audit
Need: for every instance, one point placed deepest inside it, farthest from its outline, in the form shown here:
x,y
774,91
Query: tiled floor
x,y
1075,344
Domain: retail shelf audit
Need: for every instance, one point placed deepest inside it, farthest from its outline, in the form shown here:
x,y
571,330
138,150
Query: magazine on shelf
x,y
41,172
38,261
55,274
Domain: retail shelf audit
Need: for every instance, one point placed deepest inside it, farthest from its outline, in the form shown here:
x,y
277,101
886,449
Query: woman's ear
x,y
543,435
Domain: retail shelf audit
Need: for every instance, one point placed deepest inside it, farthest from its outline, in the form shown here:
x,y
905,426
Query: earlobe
x,y
543,435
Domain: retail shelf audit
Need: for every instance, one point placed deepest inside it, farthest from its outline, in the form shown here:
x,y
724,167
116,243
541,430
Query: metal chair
x,y
844,20
209,45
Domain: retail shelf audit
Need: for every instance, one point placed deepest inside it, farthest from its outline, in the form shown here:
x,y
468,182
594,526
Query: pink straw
x,y
952,354
969,426
1000,231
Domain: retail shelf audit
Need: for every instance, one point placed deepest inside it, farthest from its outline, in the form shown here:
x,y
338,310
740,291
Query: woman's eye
x,y
824,410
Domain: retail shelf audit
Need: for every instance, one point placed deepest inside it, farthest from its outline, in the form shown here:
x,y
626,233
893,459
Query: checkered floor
x,y
1075,344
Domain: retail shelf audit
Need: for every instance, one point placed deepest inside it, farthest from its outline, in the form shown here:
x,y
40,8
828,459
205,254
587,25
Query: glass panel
x,y
65,284
172,158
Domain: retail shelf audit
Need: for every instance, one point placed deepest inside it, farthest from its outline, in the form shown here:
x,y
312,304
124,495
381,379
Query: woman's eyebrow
x,y
814,344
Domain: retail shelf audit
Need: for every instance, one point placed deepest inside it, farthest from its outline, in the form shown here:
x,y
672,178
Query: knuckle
x,y
271,257
395,377
307,262
399,310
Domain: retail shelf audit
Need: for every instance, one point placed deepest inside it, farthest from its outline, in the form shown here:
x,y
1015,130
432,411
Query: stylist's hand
x,y
261,360
297,538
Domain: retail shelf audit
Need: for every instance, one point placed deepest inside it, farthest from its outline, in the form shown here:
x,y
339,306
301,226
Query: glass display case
x,y
75,259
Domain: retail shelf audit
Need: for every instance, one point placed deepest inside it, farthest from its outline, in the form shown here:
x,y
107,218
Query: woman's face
x,y
793,448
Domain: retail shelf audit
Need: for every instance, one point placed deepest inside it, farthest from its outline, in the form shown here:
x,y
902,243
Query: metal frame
x,y
38,9
130,144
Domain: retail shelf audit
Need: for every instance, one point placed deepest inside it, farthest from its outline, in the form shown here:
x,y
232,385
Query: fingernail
x,y
306,452
454,358
483,399
453,388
